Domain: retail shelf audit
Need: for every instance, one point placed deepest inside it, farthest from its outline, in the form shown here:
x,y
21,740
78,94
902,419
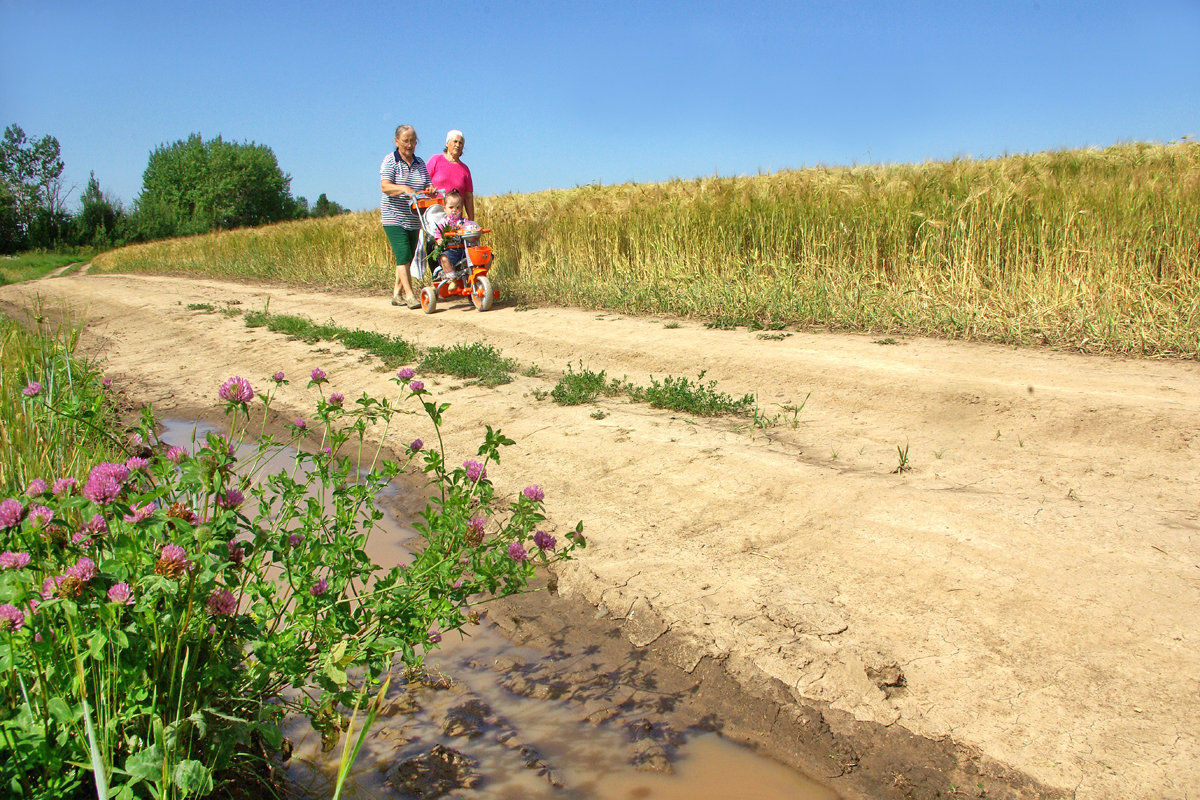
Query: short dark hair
x,y
454,193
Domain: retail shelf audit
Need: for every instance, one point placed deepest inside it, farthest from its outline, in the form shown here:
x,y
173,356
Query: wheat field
x,y
1096,250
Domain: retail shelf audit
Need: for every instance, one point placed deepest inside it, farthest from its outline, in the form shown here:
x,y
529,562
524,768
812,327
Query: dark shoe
x,y
412,303
396,301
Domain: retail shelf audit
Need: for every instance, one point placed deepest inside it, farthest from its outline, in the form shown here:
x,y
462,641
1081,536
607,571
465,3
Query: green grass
x,y
576,388
33,265
480,362
65,436
701,399
391,350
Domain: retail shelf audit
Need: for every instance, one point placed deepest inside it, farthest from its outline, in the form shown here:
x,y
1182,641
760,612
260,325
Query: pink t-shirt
x,y
445,174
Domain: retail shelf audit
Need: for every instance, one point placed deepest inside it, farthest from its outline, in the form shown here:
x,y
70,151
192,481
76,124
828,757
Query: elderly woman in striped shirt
x,y
401,175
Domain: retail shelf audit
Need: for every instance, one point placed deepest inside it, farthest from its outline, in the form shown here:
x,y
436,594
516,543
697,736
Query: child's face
x,y
454,206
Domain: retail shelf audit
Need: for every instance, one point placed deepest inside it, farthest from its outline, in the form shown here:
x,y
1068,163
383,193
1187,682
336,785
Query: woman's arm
x,y
393,189
469,204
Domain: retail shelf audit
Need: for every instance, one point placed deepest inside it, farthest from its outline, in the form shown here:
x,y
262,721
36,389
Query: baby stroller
x,y
470,278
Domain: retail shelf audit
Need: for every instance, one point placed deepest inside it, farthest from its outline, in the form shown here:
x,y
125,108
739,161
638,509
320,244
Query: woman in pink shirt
x,y
448,173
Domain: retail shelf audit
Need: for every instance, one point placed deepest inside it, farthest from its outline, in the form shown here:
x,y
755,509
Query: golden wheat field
x,y
1097,249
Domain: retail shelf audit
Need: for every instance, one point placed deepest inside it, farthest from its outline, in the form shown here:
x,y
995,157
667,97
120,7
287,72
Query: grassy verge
x,y
1097,250
33,265
34,442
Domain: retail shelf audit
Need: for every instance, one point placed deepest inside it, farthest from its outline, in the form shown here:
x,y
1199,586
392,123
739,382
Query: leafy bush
x,y
160,616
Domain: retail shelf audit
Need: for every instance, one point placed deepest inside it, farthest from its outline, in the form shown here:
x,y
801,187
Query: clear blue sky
x,y
562,94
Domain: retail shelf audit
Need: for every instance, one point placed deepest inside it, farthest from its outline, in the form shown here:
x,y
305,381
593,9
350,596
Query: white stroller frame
x,y
430,218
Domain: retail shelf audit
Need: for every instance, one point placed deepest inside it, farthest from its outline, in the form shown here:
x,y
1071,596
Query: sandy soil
x,y
1025,597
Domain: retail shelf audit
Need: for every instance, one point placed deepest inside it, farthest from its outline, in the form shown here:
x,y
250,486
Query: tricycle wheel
x,y
429,299
481,293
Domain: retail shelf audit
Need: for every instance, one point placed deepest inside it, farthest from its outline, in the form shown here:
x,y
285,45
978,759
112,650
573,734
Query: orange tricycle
x,y
470,277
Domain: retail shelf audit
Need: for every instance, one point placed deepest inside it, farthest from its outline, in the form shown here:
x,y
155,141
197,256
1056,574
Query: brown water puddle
x,y
567,718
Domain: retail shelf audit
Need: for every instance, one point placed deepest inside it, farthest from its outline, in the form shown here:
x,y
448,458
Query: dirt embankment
x,y
1019,604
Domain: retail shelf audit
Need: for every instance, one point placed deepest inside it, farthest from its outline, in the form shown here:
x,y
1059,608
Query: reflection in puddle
x,y
524,746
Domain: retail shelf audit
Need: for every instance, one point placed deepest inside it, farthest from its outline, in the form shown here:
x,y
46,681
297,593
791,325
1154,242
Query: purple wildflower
x,y
231,499
319,588
417,386
544,541
221,603
40,516
336,399
236,390
50,586
176,454
141,513
11,618
96,526
405,374
534,493
120,594
318,375
516,551
237,554
106,383
278,377
64,486
104,483
135,463
475,470
300,423
434,637
11,560
11,513
416,445
82,570
36,488
295,539
32,389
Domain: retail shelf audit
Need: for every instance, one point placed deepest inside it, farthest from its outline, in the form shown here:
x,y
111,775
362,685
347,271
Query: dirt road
x,y
1026,595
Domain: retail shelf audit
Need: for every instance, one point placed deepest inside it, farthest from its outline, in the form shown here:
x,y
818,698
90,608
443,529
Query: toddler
x,y
452,259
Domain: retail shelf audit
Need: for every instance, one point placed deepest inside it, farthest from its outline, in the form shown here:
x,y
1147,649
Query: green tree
x,y
100,217
32,199
193,186
325,207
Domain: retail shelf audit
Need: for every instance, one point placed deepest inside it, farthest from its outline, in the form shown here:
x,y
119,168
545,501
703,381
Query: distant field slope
x,y
1097,250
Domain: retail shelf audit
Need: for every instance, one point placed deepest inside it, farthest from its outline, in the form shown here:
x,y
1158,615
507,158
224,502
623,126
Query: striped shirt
x,y
394,209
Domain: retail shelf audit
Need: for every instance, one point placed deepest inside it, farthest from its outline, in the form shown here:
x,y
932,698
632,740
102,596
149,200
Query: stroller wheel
x,y
429,299
481,293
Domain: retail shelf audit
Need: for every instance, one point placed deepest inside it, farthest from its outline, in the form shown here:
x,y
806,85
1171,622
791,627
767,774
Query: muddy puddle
x,y
512,711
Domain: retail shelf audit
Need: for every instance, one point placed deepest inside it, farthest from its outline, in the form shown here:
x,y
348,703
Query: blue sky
x,y
563,94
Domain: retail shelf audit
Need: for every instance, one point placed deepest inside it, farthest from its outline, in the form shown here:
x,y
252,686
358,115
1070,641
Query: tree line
x,y
190,186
